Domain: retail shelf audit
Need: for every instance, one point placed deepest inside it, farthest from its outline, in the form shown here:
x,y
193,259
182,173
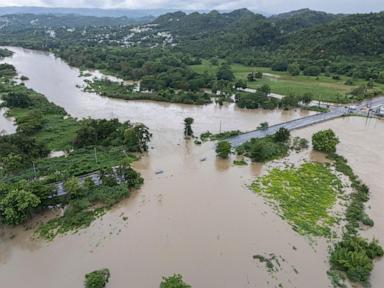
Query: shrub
x,y
325,141
264,149
282,135
354,256
97,279
312,71
223,149
175,281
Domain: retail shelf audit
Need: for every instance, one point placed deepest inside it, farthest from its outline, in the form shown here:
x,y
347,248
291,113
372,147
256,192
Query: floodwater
x,y
7,125
197,218
362,143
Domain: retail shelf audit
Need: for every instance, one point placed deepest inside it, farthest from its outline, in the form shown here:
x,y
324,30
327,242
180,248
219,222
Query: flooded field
x,y
198,218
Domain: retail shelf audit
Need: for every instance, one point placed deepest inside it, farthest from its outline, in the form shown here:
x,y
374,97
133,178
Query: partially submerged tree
x,y
263,126
17,205
282,135
325,141
97,279
175,281
188,132
223,149
136,138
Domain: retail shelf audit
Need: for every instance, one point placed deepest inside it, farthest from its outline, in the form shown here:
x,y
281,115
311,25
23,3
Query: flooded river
x,y
197,218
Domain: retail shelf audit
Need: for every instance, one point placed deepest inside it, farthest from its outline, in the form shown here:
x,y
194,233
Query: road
x,y
335,112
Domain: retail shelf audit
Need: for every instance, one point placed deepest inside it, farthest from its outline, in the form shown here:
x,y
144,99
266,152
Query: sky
x,y
268,6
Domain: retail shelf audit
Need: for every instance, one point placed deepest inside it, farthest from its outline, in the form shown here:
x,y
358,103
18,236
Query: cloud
x,y
271,6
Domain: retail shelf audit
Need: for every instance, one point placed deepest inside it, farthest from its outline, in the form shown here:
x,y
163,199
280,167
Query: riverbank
x,y
29,175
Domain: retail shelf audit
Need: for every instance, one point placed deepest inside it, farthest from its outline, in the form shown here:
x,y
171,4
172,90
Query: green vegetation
x,y
116,90
323,87
86,201
267,148
188,132
271,261
7,70
97,279
355,214
208,136
325,141
299,144
263,149
17,205
240,162
175,281
5,53
223,149
30,181
354,255
304,196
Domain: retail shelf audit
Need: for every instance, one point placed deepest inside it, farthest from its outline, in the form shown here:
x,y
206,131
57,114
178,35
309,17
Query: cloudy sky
x,y
271,6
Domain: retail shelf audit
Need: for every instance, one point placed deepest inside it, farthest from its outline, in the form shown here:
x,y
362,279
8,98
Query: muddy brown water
x,y
197,218
7,125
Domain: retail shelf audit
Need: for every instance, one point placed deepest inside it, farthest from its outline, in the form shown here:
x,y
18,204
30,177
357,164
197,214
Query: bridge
x,y
362,109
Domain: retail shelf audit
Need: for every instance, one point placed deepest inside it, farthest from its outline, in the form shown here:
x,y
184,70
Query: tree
x,y
136,138
325,141
223,149
280,66
265,89
282,135
188,132
263,126
17,206
289,101
241,84
312,71
225,73
307,98
214,61
125,173
97,279
293,69
251,77
12,162
175,281
73,187
254,75
17,99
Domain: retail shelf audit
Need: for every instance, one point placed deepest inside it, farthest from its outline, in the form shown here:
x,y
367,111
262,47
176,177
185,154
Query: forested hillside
x,y
22,21
354,35
309,42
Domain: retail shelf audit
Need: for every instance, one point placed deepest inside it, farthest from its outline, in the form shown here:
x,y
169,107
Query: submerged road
x,y
335,112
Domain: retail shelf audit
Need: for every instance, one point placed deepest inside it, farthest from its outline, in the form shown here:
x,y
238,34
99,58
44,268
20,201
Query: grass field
x,y
322,87
58,131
